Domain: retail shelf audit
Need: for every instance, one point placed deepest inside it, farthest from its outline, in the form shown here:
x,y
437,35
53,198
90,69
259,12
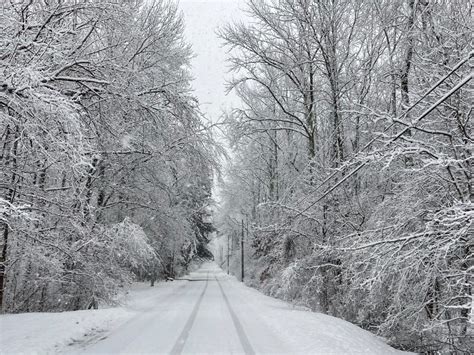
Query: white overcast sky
x,y
202,18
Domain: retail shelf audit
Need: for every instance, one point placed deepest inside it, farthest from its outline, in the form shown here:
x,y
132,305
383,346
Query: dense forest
x,y
349,188
106,162
351,178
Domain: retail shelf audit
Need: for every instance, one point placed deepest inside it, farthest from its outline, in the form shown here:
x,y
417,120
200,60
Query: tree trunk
x,y
404,83
10,158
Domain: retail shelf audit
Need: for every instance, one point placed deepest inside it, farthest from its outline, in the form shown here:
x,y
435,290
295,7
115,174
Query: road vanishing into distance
x,y
209,312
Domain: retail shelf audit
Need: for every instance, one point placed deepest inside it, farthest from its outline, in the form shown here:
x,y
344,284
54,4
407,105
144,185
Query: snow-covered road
x,y
207,312
213,313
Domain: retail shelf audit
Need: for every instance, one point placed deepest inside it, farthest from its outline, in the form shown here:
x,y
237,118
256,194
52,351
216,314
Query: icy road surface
x,y
206,313
213,313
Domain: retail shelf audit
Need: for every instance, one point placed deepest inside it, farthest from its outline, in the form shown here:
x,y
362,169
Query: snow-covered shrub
x,y
129,245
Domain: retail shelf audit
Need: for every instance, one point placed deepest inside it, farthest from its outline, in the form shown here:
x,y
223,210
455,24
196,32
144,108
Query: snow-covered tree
x,y
100,142
375,224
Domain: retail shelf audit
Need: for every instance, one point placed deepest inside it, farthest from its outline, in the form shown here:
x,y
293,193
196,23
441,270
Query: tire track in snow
x,y
143,318
181,341
244,341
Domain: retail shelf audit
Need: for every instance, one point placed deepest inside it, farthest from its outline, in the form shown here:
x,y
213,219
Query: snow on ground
x,y
303,331
210,313
45,333
48,332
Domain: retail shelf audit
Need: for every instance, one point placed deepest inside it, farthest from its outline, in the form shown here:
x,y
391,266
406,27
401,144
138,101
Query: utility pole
x,y
228,252
242,252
